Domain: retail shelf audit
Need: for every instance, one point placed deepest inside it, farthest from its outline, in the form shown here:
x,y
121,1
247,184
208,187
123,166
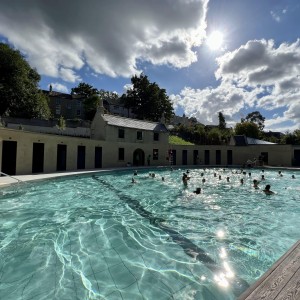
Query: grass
x,y
176,140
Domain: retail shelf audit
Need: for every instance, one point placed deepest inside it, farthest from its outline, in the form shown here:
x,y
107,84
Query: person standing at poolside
x,y
148,159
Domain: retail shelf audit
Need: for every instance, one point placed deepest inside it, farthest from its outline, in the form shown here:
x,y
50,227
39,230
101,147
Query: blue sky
x,y
253,64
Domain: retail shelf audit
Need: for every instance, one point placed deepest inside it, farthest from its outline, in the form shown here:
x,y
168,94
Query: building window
x,y
139,135
57,101
121,154
78,113
121,133
116,107
156,136
155,154
58,110
78,103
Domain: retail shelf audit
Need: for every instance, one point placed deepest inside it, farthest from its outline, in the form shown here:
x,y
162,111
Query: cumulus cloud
x,y
256,75
59,87
110,37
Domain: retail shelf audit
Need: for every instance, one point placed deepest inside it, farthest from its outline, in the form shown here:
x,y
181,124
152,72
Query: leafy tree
x,y
85,90
61,124
199,134
222,123
147,100
247,128
92,98
214,136
256,118
19,92
292,138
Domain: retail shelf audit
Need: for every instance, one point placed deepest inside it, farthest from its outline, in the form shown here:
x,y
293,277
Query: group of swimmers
x,y
266,190
186,178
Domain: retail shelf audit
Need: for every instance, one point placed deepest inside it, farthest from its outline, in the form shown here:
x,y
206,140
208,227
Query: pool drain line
x,y
239,285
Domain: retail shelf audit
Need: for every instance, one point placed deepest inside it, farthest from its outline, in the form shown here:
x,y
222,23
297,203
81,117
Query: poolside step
x,y
281,281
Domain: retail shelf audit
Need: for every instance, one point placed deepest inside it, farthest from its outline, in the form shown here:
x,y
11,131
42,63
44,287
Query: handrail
x,y
19,180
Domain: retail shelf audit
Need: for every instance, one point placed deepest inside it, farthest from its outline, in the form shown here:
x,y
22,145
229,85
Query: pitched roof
x,y
252,141
133,123
242,140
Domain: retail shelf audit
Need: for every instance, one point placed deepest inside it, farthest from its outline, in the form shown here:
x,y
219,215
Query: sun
x,y
215,40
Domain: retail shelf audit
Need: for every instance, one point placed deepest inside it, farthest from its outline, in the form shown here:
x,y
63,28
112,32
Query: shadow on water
x,y
239,285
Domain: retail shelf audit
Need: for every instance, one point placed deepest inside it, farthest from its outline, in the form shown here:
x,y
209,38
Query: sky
x,y
229,56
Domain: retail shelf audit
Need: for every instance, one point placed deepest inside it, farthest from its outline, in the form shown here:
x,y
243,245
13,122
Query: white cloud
x,y
256,75
127,87
108,36
59,87
275,16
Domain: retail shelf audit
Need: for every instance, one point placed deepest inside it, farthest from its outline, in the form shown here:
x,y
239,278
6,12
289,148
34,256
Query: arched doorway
x,y
138,157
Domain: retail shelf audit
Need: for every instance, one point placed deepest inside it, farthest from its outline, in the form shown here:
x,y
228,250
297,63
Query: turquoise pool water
x,y
102,237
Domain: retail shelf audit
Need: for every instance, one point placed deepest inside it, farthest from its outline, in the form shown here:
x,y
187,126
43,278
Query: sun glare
x,y
215,40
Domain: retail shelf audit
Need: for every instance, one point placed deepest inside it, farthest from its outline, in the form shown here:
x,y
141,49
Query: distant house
x,y
70,106
178,120
115,107
66,105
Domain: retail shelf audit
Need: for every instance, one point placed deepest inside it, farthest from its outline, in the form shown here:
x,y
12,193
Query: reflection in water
x,y
89,239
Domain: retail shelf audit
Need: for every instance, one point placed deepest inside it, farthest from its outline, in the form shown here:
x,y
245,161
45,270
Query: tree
x,y
214,136
19,92
147,100
85,90
92,98
248,129
222,123
61,124
256,118
292,138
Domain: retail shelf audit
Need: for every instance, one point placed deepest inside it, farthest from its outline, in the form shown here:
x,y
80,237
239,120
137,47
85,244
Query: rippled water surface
x,y
102,237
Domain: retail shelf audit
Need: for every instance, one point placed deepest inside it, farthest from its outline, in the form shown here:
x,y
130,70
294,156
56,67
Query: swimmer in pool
x,y
255,184
267,190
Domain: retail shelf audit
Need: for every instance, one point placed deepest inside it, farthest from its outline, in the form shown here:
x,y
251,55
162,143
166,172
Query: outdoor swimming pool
x,y
102,237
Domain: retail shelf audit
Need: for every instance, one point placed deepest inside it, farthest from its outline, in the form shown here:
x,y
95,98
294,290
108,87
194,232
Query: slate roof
x,y
252,141
242,140
133,123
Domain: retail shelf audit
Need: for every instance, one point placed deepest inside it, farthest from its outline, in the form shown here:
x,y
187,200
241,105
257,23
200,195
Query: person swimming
x,y
255,184
242,180
185,178
198,191
267,190
263,177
